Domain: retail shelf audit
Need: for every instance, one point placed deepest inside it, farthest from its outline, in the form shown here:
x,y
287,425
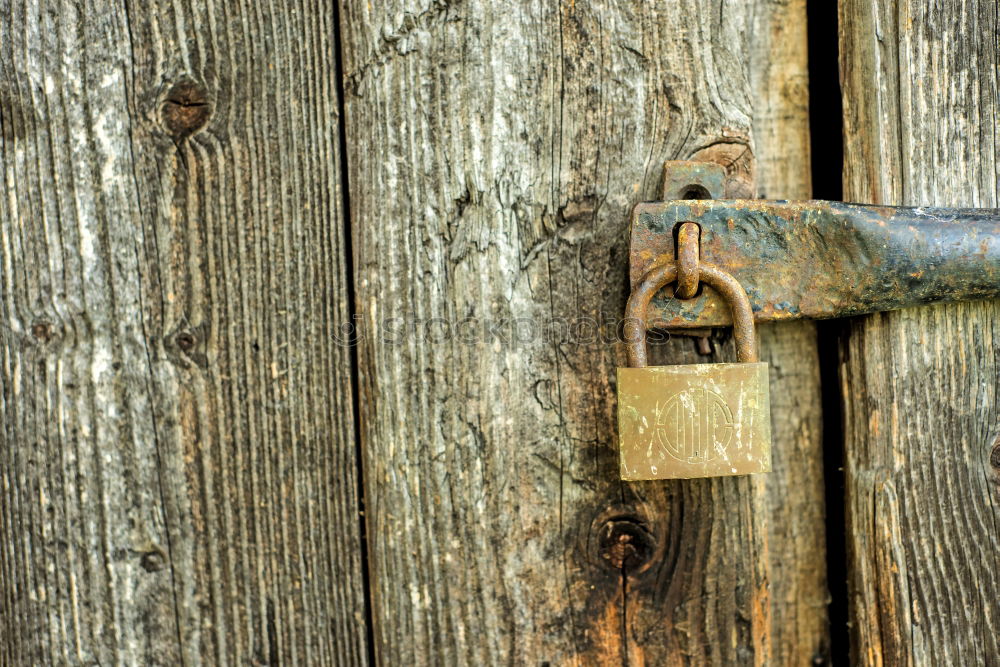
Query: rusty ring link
x,y
688,251
662,273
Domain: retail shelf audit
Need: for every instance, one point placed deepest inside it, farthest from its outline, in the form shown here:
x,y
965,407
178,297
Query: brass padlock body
x,y
695,420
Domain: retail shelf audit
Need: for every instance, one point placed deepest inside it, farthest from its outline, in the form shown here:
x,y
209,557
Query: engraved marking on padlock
x,y
694,425
695,420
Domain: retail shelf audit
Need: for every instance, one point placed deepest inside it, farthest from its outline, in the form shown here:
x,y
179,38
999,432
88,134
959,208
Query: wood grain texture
x,y
495,150
177,460
920,385
795,504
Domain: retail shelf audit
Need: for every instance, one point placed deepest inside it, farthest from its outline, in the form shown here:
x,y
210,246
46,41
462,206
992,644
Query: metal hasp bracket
x,y
813,259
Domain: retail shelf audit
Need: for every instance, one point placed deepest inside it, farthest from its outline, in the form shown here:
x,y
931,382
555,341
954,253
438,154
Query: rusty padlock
x,y
695,420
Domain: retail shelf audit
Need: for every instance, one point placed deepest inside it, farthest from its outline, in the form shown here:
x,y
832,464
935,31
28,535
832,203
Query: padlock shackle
x,y
664,272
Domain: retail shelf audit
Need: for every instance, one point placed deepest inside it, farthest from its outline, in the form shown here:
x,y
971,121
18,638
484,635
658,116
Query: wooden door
x,y
307,338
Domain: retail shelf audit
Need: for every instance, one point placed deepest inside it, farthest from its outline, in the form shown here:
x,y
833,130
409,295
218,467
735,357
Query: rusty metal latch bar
x,y
815,259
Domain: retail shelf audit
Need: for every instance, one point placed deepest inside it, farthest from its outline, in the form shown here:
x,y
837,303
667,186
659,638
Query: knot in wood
x,y
186,108
625,543
185,341
995,455
42,331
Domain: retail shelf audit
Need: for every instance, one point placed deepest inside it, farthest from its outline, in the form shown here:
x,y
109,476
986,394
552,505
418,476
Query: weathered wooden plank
x,y
177,459
919,385
494,152
795,492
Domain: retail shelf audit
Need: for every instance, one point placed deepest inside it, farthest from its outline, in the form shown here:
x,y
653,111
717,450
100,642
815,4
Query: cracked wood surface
x,y
494,152
922,464
177,460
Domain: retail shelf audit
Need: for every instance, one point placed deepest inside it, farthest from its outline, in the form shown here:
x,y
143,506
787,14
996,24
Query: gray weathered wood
x,y
177,461
920,385
494,152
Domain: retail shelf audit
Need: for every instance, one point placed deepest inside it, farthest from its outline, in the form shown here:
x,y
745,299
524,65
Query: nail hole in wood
x,y
153,561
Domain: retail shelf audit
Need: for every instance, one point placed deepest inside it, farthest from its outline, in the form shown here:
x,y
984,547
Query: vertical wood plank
x,y
795,488
495,150
177,459
921,100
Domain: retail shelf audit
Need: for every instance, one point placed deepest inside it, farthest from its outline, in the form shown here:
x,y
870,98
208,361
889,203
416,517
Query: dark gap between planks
x,y
353,311
827,163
